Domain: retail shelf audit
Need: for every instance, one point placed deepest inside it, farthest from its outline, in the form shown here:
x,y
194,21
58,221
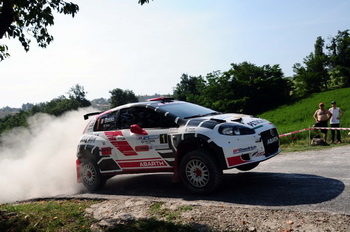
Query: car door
x,y
146,147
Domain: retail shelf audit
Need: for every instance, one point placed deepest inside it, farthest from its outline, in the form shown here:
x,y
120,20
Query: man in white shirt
x,y
337,114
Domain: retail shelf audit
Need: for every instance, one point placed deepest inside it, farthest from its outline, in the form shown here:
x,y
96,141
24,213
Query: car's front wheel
x,y
200,172
91,176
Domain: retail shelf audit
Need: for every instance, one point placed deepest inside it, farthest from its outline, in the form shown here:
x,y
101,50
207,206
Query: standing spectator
x,y
337,114
322,116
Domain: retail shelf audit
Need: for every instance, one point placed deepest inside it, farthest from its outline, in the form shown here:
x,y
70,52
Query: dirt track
x,y
219,217
301,191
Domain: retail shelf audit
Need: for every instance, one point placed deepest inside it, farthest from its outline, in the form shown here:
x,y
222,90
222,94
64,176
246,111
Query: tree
x,y
121,97
189,88
78,93
244,88
339,56
314,76
21,19
257,89
143,2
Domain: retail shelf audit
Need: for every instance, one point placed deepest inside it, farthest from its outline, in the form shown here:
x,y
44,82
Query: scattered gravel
x,y
216,217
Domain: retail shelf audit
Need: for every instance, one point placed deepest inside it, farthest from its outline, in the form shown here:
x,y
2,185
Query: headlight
x,y
231,129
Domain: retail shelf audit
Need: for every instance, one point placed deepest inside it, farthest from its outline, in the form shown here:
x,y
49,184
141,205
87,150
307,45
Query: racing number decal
x,y
163,138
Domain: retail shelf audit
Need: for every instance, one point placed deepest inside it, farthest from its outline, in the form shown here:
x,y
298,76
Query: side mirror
x,y
136,129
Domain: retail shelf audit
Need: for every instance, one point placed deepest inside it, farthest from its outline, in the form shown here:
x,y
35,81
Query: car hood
x,y
248,120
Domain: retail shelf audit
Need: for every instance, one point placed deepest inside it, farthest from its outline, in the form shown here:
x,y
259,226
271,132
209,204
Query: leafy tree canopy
x,y
23,19
121,97
78,93
244,88
56,106
339,57
324,70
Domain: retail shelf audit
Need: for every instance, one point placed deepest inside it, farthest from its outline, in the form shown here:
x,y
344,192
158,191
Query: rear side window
x,y
106,122
144,117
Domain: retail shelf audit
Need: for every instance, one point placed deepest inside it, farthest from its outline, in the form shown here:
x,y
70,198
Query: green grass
x,y
157,210
68,215
64,215
299,115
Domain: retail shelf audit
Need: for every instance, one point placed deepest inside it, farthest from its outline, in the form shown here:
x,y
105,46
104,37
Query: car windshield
x,y
187,110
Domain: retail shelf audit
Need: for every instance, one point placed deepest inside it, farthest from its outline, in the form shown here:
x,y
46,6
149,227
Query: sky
x,y
120,44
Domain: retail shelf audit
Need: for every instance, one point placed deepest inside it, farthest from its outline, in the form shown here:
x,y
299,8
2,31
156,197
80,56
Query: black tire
x,y
200,172
91,176
247,167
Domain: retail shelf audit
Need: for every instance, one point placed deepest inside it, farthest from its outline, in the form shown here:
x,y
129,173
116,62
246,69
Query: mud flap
x,y
77,163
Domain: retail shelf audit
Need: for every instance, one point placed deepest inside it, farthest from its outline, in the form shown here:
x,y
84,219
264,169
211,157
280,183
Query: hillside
x,y
5,111
299,115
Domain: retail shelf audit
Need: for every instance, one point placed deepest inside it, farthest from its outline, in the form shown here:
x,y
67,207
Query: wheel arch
x,y
193,142
88,152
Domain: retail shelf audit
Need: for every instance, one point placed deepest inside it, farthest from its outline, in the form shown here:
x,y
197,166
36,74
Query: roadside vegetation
x,y
299,115
65,215
68,215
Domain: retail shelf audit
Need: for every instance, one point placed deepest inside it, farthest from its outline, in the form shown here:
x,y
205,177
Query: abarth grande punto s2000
x,y
165,135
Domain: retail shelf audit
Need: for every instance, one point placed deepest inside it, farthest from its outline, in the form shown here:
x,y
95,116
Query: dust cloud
x,y
39,161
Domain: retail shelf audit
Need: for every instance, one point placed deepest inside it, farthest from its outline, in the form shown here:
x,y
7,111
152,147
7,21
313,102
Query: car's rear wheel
x,y
247,167
91,176
200,172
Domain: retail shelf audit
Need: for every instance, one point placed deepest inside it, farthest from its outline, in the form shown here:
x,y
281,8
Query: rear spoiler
x,y
86,116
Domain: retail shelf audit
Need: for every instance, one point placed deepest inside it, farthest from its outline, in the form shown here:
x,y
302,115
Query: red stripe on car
x,y
236,160
122,145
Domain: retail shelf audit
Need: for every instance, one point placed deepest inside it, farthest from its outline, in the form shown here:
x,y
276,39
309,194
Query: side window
x,y
167,122
106,122
145,118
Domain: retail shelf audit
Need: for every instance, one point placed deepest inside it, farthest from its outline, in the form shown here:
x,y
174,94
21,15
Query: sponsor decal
x,y
244,149
88,139
272,140
111,119
190,129
158,163
132,164
258,154
256,122
106,150
173,130
148,137
142,148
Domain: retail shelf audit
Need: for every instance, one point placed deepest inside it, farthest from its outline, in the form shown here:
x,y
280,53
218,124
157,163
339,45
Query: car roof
x,y
154,102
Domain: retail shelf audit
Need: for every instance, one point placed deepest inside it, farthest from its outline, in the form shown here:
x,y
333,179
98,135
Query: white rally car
x,y
165,135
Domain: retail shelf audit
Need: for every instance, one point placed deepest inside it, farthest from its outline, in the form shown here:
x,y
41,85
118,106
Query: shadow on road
x,y
251,188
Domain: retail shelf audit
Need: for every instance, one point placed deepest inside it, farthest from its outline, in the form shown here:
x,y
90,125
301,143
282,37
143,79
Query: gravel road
x,y
298,191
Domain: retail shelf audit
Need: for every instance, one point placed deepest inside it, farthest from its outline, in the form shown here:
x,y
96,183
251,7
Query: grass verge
x,y
62,215
68,215
304,145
